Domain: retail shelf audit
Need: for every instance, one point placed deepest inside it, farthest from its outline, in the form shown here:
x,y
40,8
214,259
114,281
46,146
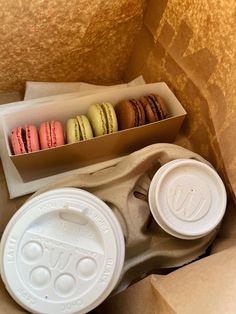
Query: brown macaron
x,y
154,107
130,113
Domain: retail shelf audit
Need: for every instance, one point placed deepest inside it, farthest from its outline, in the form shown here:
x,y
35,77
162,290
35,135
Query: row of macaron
x,y
101,119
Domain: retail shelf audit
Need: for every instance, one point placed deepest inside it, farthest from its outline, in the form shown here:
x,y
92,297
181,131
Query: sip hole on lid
x,y
62,261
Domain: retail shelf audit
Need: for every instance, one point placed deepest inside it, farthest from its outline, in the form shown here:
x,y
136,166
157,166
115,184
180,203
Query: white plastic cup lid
x,y
62,252
187,198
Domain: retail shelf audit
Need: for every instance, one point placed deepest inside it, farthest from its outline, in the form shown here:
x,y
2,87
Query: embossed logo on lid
x,y
187,198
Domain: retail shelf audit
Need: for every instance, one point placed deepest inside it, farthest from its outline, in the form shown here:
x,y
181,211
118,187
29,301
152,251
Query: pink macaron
x,y
25,139
51,134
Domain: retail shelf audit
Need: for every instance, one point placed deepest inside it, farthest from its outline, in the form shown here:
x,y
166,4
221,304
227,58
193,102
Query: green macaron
x,y
102,118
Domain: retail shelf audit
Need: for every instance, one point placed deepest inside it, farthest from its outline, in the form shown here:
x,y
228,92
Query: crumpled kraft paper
x,y
191,45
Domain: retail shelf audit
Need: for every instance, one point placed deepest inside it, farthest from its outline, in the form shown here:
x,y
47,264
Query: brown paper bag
x,y
191,45
188,44
202,287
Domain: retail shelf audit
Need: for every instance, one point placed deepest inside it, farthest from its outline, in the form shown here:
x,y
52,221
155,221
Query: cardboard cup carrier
x,y
63,251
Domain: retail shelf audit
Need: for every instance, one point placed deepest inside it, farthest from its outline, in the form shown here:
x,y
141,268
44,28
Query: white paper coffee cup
x,y
62,252
187,198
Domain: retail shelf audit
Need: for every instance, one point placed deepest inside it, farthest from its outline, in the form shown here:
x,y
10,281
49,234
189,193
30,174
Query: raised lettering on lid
x,y
69,241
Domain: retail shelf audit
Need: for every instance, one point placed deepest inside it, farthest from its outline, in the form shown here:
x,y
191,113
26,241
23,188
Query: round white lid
x,y
187,198
62,252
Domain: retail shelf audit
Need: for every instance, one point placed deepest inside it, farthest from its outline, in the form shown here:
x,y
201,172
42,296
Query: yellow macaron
x,y
78,129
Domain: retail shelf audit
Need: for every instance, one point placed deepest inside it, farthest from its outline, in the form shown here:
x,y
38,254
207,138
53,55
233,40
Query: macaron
x,y
78,129
102,118
25,139
154,107
51,134
130,114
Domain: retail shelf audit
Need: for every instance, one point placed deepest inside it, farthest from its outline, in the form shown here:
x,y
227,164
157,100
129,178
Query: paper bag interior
x,y
190,45
201,287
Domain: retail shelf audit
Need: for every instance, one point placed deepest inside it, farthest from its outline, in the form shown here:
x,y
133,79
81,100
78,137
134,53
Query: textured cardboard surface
x,y
143,299
201,287
204,286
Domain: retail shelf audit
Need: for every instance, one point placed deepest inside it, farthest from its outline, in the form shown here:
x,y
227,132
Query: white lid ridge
x,y
187,198
62,252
